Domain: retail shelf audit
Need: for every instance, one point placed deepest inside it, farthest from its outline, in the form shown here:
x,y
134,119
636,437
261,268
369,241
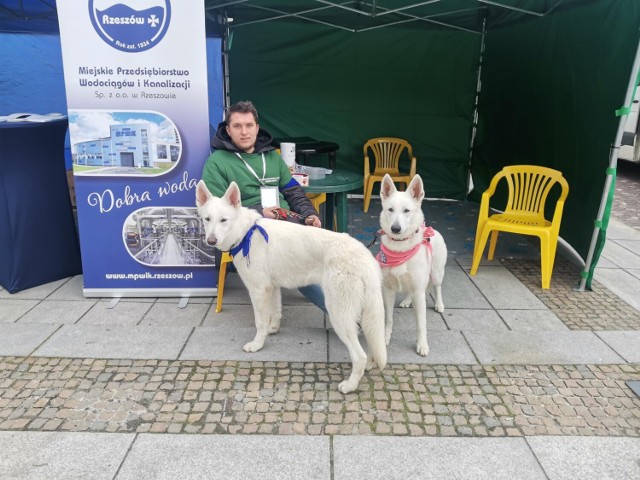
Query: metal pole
x,y
474,129
613,162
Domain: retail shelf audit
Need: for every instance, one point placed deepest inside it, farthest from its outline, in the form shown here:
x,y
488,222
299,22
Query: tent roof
x,y
350,15
360,16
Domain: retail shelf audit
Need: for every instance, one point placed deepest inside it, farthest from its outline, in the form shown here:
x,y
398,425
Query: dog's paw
x,y
406,303
422,349
387,336
439,307
252,346
346,387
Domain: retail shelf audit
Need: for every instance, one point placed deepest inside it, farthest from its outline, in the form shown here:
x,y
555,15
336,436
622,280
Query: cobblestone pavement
x,y
598,309
52,394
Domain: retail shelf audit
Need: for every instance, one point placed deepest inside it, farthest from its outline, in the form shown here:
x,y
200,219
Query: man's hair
x,y
244,106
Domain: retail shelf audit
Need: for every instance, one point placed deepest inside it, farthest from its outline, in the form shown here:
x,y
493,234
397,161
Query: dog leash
x,y
375,238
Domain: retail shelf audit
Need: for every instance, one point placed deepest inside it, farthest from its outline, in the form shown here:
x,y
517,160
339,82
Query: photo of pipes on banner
x,y
136,83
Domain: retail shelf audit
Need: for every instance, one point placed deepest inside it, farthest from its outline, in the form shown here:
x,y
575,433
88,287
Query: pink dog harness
x,y
390,258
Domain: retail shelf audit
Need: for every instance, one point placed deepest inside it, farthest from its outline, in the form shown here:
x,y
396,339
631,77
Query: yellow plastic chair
x,y
222,275
316,198
529,186
387,152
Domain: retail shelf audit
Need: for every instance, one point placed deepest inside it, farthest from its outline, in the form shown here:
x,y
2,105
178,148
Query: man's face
x,y
243,130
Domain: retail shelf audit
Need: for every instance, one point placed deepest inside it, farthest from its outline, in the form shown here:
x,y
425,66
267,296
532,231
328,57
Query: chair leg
x,y
222,275
492,244
478,249
367,194
547,259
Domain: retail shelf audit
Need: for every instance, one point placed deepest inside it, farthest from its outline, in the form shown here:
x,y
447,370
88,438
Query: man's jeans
x,y
314,294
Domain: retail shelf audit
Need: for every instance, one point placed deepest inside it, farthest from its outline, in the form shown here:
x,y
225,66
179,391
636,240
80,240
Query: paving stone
x,y
625,343
115,341
18,339
503,291
124,313
540,347
11,310
61,455
411,458
532,320
289,344
587,457
472,319
168,315
300,316
58,311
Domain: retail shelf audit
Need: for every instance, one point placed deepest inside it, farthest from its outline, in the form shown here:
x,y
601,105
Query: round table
x,y
336,185
306,146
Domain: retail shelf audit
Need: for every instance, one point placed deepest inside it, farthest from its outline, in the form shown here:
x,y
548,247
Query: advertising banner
x,y
136,83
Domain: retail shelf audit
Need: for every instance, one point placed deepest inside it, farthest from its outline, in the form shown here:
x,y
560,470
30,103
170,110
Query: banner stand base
x,y
149,292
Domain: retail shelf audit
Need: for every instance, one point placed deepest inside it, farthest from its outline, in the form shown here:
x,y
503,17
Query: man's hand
x,y
313,220
269,212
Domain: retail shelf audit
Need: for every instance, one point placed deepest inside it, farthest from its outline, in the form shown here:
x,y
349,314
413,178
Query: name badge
x,y
269,197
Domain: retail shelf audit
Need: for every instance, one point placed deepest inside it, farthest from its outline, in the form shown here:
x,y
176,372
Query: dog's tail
x,y
373,320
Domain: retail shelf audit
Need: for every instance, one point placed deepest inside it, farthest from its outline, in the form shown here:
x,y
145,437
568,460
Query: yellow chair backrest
x,y
529,187
387,152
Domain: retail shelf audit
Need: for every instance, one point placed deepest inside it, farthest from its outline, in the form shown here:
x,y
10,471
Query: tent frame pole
x,y
476,102
613,163
226,47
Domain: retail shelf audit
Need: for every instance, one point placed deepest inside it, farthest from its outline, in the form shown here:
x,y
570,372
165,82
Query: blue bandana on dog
x,y
245,244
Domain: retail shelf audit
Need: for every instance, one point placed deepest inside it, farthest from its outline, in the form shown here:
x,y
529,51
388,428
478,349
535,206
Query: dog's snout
x,y
395,228
211,241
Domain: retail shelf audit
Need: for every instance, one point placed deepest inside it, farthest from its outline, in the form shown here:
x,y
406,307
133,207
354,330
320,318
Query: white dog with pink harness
x,y
412,256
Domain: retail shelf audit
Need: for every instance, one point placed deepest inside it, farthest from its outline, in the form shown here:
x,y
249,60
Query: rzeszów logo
x,y
127,29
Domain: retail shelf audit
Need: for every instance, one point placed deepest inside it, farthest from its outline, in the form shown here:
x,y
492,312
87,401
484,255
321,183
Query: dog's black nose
x,y
395,229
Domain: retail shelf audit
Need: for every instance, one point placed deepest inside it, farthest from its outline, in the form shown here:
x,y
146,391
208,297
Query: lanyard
x,y
264,168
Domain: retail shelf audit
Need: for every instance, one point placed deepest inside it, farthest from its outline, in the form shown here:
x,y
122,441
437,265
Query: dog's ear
x,y
416,188
387,187
202,193
232,195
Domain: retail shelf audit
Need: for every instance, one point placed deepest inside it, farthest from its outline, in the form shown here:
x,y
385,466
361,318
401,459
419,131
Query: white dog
x,y
269,259
411,255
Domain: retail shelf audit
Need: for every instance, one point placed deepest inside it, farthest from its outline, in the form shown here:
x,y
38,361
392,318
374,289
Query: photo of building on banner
x,y
137,99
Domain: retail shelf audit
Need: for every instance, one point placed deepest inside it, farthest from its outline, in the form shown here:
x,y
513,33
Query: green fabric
x,y
409,82
551,86
222,167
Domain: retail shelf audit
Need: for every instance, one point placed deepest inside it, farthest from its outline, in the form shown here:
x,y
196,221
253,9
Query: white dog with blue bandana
x,y
267,254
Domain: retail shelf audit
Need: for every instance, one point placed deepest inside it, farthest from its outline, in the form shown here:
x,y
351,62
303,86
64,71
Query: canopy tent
x,y
473,84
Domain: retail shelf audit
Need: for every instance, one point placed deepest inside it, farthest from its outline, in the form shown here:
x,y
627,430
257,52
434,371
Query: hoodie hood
x,y
222,141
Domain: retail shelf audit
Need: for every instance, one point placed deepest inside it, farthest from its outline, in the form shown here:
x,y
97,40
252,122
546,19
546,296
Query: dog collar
x,y
390,258
382,232
245,243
